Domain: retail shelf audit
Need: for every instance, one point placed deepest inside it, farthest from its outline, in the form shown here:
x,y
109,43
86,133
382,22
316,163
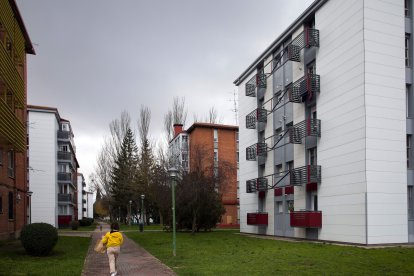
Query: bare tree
x,y
212,115
168,125
144,123
178,115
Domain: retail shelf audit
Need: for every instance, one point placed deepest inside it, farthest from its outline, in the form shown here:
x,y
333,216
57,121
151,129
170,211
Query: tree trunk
x,y
193,226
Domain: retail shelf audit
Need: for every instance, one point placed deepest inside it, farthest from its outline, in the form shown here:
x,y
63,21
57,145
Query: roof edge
x,y
288,31
28,43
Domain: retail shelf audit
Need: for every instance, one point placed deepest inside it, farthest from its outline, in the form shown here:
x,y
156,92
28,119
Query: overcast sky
x,y
96,58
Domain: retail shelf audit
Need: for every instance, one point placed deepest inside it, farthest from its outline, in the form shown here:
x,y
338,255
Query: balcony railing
x,y
258,149
304,88
308,38
306,219
257,218
63,134
63,176
65,155
257,184
257,115
258,80
65,198
305,175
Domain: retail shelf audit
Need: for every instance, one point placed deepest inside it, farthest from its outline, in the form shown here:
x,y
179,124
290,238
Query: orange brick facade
x,y
202,135
14,45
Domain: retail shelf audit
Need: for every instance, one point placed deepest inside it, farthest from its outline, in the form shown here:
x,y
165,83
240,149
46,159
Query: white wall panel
x,y
43,163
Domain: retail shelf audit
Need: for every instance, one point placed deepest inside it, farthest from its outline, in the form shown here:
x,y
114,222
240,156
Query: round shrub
x,y
38,239
74,224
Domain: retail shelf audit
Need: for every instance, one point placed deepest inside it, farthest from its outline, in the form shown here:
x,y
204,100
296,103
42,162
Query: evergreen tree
x,y
123,177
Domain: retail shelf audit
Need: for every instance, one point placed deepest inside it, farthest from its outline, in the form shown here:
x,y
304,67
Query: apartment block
x,y
85,199
14,190
218,143
53,167
327,111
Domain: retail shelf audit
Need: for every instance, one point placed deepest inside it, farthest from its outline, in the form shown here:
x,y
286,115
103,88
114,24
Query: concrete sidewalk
x,y
133,260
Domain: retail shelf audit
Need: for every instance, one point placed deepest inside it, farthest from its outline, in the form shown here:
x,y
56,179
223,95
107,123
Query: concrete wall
x,y
43,128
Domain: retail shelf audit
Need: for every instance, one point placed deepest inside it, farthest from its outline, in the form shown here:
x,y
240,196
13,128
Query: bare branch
x,y
144,123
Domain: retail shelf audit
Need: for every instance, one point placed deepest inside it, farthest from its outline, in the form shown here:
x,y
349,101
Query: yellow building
x,y
14,45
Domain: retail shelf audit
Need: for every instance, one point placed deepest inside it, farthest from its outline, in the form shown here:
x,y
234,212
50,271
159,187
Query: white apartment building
x,y
328,109
85,199
52,167
178,149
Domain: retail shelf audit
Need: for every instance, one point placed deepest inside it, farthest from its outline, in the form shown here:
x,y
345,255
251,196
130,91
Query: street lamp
x,y
142,212
130,212
29,194
173,175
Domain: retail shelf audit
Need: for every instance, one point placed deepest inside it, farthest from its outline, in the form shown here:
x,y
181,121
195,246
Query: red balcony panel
x,y
289,190
257,219
307,219
278,191
311,187
64,221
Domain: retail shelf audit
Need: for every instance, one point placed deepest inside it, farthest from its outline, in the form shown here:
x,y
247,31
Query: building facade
x,y
14,45
327,137
219,143
85,199
53,167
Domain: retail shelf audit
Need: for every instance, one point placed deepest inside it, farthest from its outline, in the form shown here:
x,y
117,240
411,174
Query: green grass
x,y
67,258
228,253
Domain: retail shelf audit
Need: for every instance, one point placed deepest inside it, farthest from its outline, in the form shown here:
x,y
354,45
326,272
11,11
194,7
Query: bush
x,y
74,224
85,221
38,239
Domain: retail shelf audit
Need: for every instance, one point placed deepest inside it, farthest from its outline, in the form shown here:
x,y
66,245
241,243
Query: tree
x,y
124,175
198,199
178,115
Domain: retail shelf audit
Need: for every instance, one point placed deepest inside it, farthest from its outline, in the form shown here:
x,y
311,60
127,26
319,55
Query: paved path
x,y
133,260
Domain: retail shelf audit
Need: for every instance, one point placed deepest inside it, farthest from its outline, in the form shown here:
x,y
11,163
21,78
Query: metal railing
x,y
305,175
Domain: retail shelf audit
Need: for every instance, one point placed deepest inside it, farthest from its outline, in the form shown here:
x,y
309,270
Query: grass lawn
x,y
67,258
228,253
89,228
124,227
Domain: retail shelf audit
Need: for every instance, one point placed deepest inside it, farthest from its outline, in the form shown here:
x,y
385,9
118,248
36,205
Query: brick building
x,y
219,143
14,45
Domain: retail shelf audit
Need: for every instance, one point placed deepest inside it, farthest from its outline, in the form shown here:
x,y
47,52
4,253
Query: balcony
x,y
258,149
64,135
257,184
258,80
257,219
306,175
304,89
306,219
308,38
65,155
68,198
12,128
257,115
63,176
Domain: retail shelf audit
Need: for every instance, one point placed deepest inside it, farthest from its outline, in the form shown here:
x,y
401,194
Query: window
x,y
64,148
410,202
10,164
65,127
63,168
409,138
1,157
407,50
11,206
184,142
289,165
315,202
1,204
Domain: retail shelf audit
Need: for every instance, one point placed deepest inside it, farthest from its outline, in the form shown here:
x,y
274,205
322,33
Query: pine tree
x,y
123,176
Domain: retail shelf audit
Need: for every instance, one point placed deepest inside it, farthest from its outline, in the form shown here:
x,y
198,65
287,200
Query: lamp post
x,y
173,174
130,212
29,194
142,212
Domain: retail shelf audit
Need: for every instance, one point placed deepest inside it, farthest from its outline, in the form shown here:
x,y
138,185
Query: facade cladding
x,y
53,163
219,145
326,146
14,45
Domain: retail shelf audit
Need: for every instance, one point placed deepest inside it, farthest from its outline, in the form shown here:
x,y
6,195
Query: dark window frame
x,y
11,206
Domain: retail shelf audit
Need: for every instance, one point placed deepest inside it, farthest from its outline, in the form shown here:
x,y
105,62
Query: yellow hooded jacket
x,y
112,239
